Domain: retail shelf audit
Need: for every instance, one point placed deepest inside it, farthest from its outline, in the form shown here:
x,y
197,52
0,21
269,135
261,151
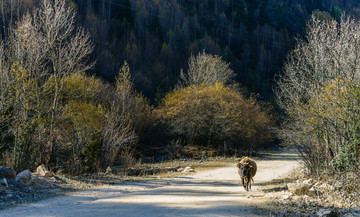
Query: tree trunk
x,y
52,160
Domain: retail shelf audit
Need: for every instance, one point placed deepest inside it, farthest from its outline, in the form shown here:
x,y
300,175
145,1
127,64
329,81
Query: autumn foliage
x,y
211,114
319,92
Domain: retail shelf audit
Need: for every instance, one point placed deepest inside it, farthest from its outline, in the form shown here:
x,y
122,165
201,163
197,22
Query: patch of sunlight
x,y
174,200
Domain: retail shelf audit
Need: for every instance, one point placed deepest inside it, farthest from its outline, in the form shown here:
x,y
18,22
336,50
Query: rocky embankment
x,y
308,197
28,187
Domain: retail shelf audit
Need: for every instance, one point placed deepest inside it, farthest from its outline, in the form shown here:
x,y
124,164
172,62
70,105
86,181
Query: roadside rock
x,y
6,172
188,169
25,177
307,181
298,188
43,171
285,197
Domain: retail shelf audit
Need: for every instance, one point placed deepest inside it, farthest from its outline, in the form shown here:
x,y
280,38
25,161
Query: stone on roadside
x,y
298,188
8,173
307,181
43,171
25,177
188,169
285,197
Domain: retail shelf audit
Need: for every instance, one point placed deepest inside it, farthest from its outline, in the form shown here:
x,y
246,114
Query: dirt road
x,y
211,193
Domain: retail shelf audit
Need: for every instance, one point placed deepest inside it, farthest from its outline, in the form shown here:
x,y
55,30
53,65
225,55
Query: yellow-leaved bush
x,y
81,123
22,113
328,105
211,114
331,118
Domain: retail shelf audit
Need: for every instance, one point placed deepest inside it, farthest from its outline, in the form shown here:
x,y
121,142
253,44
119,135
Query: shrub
x,y
211,114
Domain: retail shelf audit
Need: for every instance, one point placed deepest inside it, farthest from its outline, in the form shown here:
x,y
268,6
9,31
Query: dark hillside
x,y
157,37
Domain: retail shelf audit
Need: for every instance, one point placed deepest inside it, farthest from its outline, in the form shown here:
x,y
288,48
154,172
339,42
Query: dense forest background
x,y
158,37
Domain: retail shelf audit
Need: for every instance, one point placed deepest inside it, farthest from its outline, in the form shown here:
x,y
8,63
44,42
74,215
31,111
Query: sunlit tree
x,y
315,90
206,68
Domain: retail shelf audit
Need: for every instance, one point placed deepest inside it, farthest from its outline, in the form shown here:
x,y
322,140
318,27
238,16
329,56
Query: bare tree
x,y
315,89
67,50
119,136
206,68
47,44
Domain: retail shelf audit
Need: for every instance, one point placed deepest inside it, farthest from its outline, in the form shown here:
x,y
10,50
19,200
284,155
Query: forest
x,y
89,84
157,38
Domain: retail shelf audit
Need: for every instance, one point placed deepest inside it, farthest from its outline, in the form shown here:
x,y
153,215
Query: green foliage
x,y
123,12
335,12
347,157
